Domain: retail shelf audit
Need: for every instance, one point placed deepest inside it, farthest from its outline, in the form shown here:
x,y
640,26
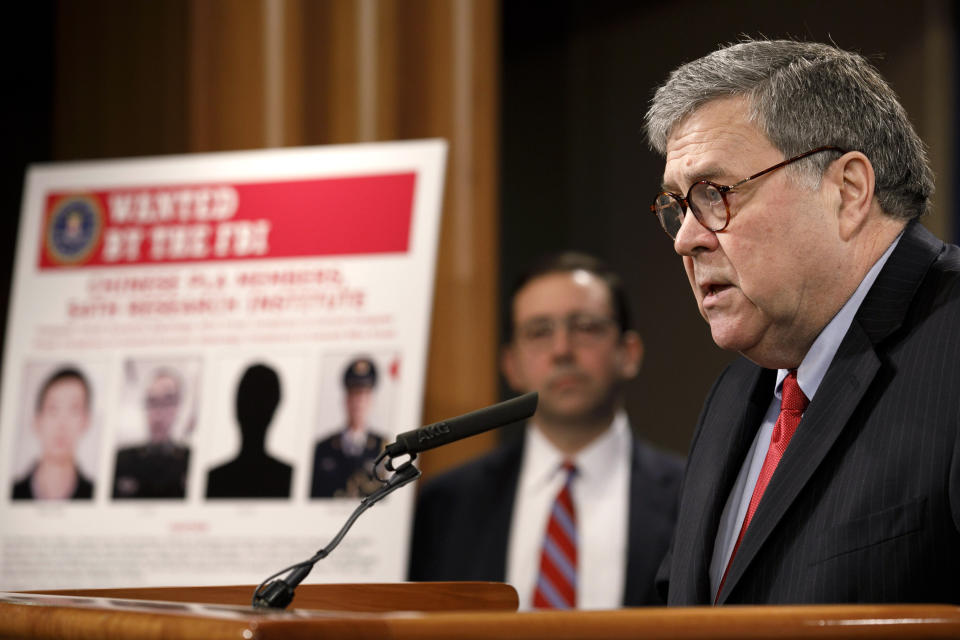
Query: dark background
x,y
576,172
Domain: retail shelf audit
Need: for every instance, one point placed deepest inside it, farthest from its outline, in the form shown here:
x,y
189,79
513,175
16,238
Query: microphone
x,y
279,593
469,424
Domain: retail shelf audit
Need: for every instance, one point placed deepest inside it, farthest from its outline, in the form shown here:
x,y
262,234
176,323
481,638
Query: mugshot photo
x,y
56,456
354,421
252,445
157,423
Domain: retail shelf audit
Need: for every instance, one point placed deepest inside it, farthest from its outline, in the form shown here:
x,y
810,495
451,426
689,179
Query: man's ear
x,y
852,174
511,368
631,349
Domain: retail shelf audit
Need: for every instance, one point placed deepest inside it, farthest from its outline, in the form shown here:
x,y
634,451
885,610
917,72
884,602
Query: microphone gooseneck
x,y
279,593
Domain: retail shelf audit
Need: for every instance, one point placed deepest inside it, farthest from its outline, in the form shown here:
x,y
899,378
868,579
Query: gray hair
x,y
804,95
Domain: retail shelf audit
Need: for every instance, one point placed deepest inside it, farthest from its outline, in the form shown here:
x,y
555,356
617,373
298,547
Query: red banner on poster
x,y
228,221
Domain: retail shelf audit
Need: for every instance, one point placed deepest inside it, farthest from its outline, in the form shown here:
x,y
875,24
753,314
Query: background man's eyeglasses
x,y
582,329
708,200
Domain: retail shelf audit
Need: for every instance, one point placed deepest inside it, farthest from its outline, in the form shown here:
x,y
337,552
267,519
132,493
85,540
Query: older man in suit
x,y
579,511
825,466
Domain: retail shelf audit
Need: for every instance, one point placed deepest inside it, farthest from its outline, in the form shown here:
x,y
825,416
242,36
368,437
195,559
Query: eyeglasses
x,y
165,401
708,200
583,329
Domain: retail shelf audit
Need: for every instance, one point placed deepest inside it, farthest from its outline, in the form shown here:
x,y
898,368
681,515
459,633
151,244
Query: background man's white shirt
x,y
601,497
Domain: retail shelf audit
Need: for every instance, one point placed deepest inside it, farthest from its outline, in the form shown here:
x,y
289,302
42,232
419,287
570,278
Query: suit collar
x,y
847,379
815,363
885,307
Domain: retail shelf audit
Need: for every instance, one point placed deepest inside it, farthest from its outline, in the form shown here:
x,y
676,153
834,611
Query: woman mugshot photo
x,y
57,420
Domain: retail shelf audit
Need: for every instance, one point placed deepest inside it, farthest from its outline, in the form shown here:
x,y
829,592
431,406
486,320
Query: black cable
x,y
279,593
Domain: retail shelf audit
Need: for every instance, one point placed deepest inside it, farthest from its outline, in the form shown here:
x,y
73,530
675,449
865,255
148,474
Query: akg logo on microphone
x,y
432,431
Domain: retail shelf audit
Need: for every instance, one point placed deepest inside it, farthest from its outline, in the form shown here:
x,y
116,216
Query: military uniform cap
x,y
360,373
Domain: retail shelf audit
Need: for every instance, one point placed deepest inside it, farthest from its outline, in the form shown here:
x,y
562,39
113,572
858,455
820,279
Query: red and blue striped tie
x,y
557,582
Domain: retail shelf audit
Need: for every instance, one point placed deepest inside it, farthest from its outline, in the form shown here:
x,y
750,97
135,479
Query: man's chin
x,y
568,410
728,337
757,351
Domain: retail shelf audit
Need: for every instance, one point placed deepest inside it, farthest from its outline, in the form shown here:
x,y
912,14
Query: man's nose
x,y
562,340
693,237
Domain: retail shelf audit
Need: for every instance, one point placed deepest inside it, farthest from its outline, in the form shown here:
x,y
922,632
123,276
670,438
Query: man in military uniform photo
x,y
343,462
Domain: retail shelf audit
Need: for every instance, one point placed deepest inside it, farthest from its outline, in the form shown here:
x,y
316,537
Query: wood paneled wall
x,y
182,76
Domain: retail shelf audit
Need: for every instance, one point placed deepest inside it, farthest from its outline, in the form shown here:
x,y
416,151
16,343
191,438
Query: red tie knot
x,y
792,398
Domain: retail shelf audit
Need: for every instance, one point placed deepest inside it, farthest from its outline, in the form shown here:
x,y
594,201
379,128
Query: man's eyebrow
x,y
668,188
711,173
540,317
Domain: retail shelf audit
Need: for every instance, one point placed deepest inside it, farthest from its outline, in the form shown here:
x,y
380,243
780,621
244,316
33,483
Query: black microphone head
x,y
469,424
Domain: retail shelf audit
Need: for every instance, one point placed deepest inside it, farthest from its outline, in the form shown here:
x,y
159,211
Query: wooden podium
x,y
428,610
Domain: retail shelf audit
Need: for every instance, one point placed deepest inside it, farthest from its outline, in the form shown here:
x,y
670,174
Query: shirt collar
x,y
814,366
544,460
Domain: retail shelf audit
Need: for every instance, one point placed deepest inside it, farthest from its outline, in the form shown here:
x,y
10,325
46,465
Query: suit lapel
x,y
849,376
729,428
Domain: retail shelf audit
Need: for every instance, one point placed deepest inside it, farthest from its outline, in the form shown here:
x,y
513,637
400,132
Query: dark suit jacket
x,y
865,503
23,490
151,471
462,524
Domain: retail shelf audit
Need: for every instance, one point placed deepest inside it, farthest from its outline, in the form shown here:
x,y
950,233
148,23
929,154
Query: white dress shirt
x,y
810,374
601,496
354,441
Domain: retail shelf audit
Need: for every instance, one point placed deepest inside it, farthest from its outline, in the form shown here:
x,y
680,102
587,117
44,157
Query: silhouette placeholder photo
x,y
253,473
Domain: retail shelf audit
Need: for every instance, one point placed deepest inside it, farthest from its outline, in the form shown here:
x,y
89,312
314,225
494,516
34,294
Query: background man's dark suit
x,y
865,504
462,524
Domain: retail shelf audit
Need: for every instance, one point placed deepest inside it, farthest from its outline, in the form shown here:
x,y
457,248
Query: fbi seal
x,y
73,229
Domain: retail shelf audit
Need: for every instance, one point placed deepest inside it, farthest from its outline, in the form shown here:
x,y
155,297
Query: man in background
x,y
825,467
343,462
157,468
579,511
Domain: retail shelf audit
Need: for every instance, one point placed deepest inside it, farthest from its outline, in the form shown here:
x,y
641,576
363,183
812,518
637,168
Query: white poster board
x,y
167,310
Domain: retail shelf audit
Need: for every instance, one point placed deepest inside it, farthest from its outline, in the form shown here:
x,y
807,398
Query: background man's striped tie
x,y
557,583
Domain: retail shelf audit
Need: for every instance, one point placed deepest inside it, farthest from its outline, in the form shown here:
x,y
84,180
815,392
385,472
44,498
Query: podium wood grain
x,y
401,596
108,616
